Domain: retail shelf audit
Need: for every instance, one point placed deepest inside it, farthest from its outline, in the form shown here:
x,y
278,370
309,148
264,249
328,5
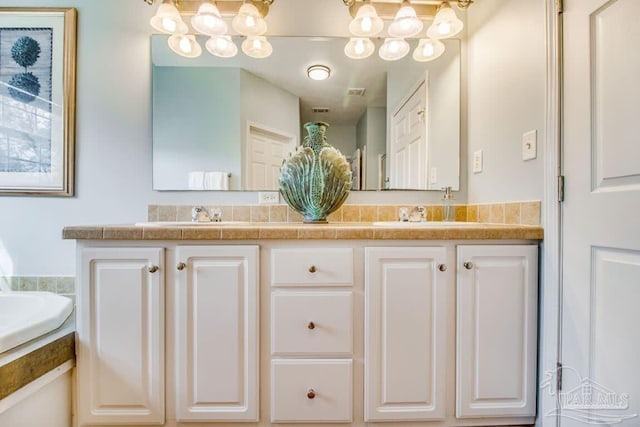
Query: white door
x,y
497,331
266,150
601,231
120,336
217,333
408,154
406,329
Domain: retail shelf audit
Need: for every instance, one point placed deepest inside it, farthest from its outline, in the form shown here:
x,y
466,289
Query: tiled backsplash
x,y
525,213
64,285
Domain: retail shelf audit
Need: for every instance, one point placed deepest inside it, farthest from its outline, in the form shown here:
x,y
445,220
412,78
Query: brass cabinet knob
x,y
311,325
181,266
312,269
153,269
311,394
442,267
468,265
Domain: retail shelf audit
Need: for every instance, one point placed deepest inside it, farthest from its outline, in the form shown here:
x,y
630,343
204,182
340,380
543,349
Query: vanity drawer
x,y
312,323
311,390
312,267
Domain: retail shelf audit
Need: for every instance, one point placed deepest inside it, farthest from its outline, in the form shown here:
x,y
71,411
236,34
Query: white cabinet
x,y
217,333
496,322
120,343
405,333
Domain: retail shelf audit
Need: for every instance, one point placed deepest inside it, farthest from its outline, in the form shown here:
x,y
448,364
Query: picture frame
x,y
37,101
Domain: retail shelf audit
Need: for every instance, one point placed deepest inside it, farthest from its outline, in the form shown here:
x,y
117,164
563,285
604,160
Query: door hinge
x,y
561,188
560,6
559,376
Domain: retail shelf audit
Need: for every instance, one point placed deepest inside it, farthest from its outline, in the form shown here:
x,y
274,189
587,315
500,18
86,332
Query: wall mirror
x,y
235,119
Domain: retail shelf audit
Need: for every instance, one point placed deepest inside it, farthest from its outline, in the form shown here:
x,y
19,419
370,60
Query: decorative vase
x,y
316,180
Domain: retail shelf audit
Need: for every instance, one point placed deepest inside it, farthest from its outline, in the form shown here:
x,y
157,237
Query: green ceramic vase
x,y
316,179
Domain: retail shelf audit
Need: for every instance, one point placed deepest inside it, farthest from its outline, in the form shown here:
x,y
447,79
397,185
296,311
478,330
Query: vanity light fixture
x,y
248,21
221,46
445,24
208,20
367,23
405,23
428,50
185,45
358,48
318,72
168,20
257,47
393,49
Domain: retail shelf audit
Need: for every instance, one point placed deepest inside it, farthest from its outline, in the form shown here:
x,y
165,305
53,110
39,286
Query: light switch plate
x,y
268,197
529,145
477,161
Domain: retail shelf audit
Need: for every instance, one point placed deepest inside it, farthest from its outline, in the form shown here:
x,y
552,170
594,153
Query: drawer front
x,y
312,267
312,323
311,390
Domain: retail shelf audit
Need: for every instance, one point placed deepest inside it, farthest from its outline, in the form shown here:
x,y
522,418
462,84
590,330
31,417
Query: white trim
x,y
550,288
246,177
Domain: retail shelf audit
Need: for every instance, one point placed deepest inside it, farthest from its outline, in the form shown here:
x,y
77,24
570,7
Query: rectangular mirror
x,y
227,123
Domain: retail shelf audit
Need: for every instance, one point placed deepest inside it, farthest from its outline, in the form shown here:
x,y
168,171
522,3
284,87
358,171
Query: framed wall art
x,y
37,101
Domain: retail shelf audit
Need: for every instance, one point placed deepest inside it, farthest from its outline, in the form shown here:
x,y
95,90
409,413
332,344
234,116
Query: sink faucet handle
x,y
418,213
200,214
403,214
216,215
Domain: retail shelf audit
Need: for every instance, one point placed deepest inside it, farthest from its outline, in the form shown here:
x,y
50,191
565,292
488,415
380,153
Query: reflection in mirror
x,y
227,124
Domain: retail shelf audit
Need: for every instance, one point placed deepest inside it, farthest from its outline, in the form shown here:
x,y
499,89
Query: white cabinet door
x,y
405,333
497,326
217,333
121,336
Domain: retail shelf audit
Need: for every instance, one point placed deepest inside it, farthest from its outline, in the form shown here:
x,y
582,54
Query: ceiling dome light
x,y
318,72
208,20
428,50
257,47
359,48
248,21
393,49
367,23
445,23
168,20
185,45
405,23
221,46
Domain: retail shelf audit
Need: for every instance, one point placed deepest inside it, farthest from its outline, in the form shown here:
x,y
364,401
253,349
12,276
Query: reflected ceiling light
x,y
185,45
367,23
393,49
168,20
318,72
405,23
257,47
428,50
221,46
249,21
359,48
445,24
208,20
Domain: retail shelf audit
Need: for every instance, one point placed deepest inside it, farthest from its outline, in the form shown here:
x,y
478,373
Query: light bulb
x,y
405,23
359,48
221,46
208,20
428,50
168,20
393,49
169,25
366,23
185,44
250,21
445,23
444,27
257,47
257,44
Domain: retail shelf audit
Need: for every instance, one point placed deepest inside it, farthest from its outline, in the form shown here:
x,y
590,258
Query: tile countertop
x,y
299,231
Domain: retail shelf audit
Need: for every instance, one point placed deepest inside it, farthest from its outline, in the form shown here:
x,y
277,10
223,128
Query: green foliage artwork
x,y
25,51
25,87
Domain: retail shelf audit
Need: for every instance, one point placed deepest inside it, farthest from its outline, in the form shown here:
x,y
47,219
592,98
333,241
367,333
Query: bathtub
x,y
27,315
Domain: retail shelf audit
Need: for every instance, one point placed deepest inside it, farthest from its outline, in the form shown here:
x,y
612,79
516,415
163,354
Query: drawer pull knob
x,y
153,269
312,269
442,267
311,325
468,265
181,266
311,394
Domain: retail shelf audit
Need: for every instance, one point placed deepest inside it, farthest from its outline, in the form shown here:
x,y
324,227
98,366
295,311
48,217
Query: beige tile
x,y
161,233
201,233
461,213
472,213
278,233
335,216
436,213
183,213
530,213
66,285
167,213
496,213
317,232
354,233
368,213
82,232
484,212
259,213
241,213
240,233
388,213
293,216
512,213
47,284
351,213
152,213
278,213
28,283
122,233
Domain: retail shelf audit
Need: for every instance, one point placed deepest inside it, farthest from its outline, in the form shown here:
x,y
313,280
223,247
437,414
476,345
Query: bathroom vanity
x,y
292,323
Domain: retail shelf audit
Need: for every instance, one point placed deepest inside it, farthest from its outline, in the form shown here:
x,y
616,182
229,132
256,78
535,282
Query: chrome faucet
x,y
201,214
418,214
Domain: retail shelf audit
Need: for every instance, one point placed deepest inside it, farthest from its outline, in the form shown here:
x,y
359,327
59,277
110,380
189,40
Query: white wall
x,y
343,138
506,97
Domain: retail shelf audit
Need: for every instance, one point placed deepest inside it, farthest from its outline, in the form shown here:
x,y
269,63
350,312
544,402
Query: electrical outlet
x,y
529,145
477,161
268,197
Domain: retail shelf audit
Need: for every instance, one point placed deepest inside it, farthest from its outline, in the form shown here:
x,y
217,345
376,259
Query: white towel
x,y
216,181
196,180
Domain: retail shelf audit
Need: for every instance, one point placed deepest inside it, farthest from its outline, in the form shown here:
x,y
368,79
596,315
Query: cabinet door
x,y
121,336
405,333
496,339
217,333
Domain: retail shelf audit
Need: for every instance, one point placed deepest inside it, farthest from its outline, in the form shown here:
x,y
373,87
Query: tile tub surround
x,y
63,285
524,213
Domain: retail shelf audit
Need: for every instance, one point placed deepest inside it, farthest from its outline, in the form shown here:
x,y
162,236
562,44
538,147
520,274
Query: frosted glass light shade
x,y
318,72
257,47
221,46
208,20
428,50
405,23
367,23
393,49
248,21
168,20
359,48
185,45
445,23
